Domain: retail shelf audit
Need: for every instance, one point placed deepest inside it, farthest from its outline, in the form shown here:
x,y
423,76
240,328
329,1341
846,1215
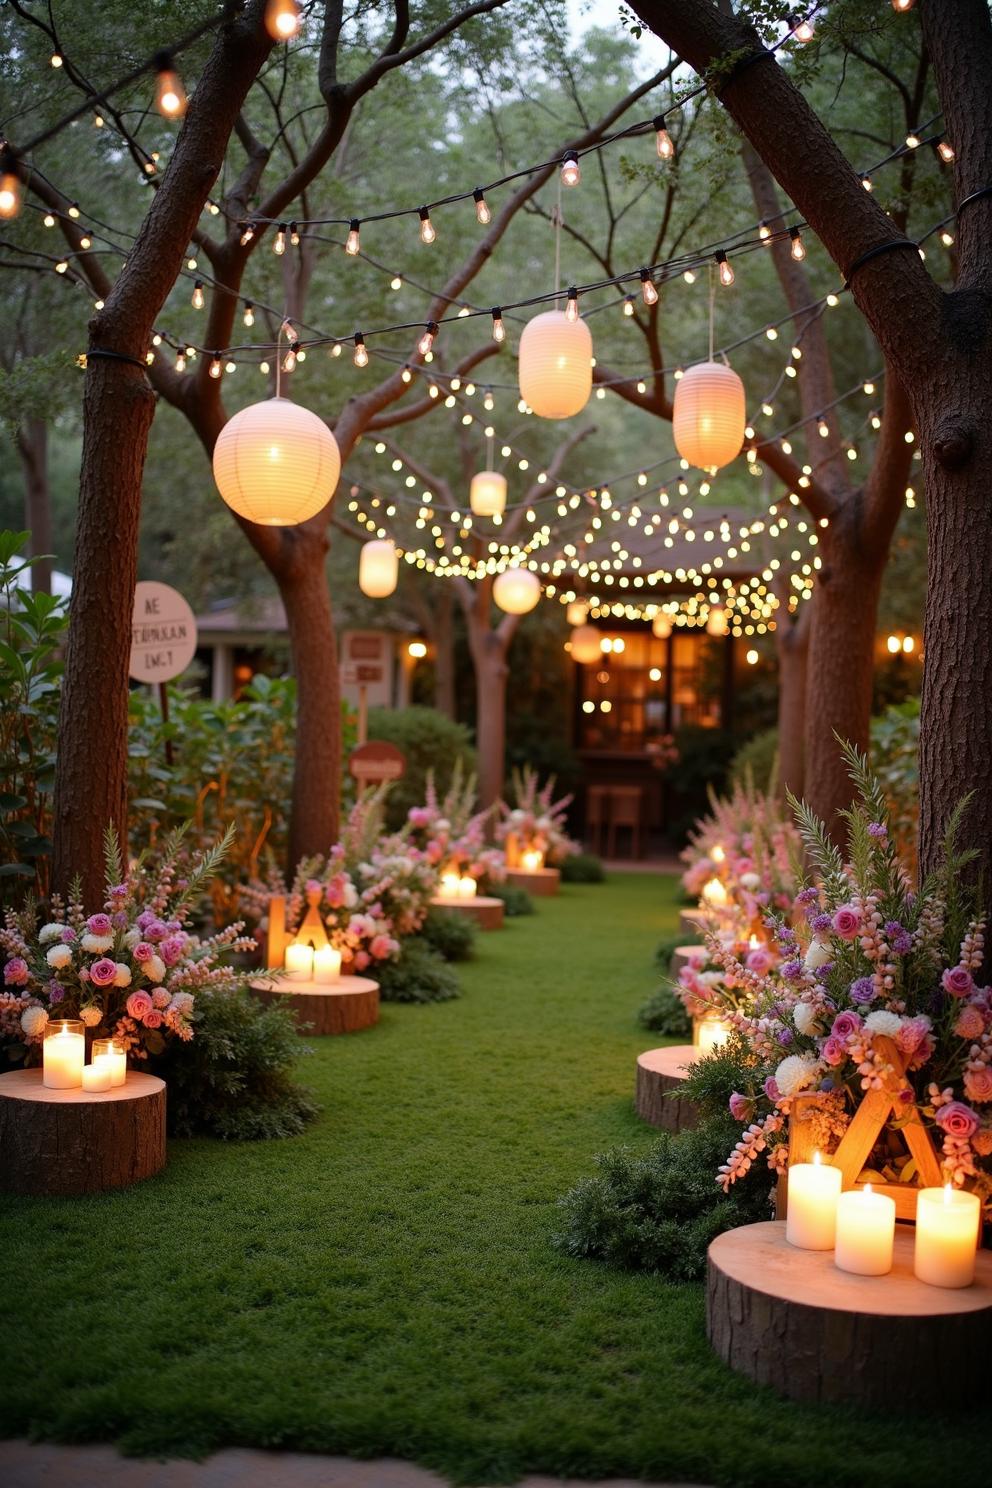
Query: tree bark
x,y
491,672
443,639
792,645
32,447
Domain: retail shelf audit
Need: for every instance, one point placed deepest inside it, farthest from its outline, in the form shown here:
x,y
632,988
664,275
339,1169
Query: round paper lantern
x,y
487,493
378,568
555,365
276,463
708,417
661,626
517,590
585,644
576,612
716,622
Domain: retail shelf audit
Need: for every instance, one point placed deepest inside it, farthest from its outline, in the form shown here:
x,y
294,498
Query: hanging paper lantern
x,y
555,365
585,641
661,626
517,590
487,493
716,622
708,417
378,568
276,463
576,612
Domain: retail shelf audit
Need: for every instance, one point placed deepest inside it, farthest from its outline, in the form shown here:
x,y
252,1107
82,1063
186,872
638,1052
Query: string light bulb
x,y
215,367
648,292
353,244
361,356
764,232
945,150
628,306
56,59
663,140
10,189
499,332
427,233
797,247
571,175
572,305
279,243
248,234
294,234
901,6
912,140
197,297
282,19
724,268
249,313
866,182
803,28
290,359
426,342
482,212
170,95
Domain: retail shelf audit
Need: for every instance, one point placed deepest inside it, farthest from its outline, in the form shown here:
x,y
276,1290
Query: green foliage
x,y
419,974
659,1212
234,1078
895,758
516,902
32,628
712,1080
582,868
430,742
451,935
757,758
667,947
664,1013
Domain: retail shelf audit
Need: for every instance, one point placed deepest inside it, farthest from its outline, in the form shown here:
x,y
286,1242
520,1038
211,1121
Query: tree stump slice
x,y
790,1319
345,1006
543,883
683,954
660,1074
77,1141
487,913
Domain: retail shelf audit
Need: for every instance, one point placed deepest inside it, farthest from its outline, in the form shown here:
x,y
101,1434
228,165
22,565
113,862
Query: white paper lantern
x,y
577,612
276,463
585,641
555,365
661,626
487,493
708,417
716,622
378,568
517,590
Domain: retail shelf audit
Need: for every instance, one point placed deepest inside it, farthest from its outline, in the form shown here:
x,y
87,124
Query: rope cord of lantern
x,y
489,448
712,306
558,221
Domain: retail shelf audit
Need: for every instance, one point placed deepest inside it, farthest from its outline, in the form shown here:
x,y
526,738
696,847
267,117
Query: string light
x,y
945,151
724,268
248,234
571,175
292,355
912,141
361,356
803,28
282,19
572,305
197,297
628,306
279,242
427,233
764,232
499,333
56,59
901,6
180,361
426,342
215,367
663,140
482,212
249,313
648,292
798,247
10,189
866,182
294,234
61,267
353,243
73,209
170,95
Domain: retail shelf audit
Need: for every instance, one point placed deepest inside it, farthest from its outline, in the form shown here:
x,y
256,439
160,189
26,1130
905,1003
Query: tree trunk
x,y
444,652
793,652
32,446
491,672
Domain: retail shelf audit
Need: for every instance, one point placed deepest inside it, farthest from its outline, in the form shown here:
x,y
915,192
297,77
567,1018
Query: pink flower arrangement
x,y
536,820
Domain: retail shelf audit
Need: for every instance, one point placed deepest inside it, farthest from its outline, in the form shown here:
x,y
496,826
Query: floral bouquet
x,y
536,820
876,984
752,847
706,988
131,971
451,833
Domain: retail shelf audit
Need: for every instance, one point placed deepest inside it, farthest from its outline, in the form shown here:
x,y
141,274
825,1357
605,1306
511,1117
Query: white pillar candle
x,y
450,884
711,1033
467,887
115,1055
811,1213
299,961
532,860
866,1227
326,964
946,1236
63,1057
97,1076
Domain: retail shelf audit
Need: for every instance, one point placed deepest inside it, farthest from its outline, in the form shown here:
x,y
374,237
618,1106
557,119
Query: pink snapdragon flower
x,y
419,816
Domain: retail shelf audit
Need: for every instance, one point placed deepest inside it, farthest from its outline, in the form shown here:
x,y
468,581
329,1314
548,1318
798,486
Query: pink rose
x,y
834,1050
139,1005
153,1018
970,1023
741,1107
173,949
103,973
771,1089
759,960
361,960
978,1083
99,924
143,951
845,1024
419,816
15,973
381,947
957,1120
912,1034
957,981
847,921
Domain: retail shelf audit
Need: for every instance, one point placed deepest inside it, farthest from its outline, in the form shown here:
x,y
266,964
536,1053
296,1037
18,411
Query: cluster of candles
x,y
304,964
859,1226
458,886
532,860
63,1060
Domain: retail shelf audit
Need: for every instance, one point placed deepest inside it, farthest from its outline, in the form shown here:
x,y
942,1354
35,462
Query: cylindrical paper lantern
x,y
517,590
709,416
716,622
487,493
378,568
585,644
555,365
661,626
276,463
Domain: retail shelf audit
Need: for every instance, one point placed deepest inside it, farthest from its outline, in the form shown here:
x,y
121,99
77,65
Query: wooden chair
x,y
626,805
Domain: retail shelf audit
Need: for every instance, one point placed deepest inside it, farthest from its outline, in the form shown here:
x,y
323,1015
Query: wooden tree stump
x,y
660,1074
683,954
345,1006
790,1319
75,1142
487,913
543,883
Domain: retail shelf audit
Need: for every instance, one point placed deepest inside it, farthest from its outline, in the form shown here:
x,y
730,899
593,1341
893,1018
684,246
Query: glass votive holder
x,y
63,1054
114,1052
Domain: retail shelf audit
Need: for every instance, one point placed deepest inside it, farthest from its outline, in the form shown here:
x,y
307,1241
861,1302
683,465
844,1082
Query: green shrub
x,y
430,741
417,975
659,1212
516,902
234,1078
664,1013
895,750
759,756
451,935
666,950
582,868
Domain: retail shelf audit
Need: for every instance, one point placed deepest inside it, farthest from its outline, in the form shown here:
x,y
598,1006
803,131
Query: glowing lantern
x,y
10,194
487,493
576,612
661,626
517,590
282,19
709,416
585,644
715,896
378,568
276,463
555,365
716,622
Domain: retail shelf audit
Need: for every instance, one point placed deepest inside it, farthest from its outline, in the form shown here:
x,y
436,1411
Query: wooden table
x,y
345,1006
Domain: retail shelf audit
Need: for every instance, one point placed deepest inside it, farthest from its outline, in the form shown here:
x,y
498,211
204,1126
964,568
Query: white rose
x,y
750,881
91,1016
59,956
50,932
350,896
33,1020
132,937
883,1022
97,943
818,955
795,1073
805,1018
123,977
154,968
711,978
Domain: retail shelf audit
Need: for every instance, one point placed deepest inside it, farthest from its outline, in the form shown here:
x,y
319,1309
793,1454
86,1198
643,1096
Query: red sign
x,y
376,761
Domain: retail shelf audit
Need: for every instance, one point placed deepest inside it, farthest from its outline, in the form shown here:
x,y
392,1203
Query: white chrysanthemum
x,y
58,956
123,977
132,937
90,1016
795,1073
806,1018
154,969
883,1022
97,943
750,881
817,955
711,978
33,1020
50,932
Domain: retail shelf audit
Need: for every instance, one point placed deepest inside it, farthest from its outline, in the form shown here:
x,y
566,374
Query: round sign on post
x,y
163,633
376,761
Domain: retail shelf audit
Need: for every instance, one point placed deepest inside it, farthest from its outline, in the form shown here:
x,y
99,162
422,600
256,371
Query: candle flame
x,y
718,855
867,1188
817,1158
948,1193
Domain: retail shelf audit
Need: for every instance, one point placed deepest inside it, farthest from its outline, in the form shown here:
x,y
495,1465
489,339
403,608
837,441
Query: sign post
x,y
376,761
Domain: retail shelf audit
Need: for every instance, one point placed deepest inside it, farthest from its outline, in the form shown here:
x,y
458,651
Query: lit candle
x,y
866,1227
113,1052
326,964
711,1033
714,894
811,1213
532,860
97,1076
467,887
63,1055
450,884
718,855
299,961
946,1236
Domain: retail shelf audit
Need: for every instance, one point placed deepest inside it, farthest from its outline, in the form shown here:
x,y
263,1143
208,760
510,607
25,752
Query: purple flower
x,y
847,921
878,830
826,1084
957,981
845,1024
898,937
145,918
119,891
120,920
68,935
791,970
785,1037
863,990
957,1120
771,1089
103,972
56,992
819,923
15,973
808,896
99,924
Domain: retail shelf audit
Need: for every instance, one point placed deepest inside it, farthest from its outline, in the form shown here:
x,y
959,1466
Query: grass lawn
x,y
385,1284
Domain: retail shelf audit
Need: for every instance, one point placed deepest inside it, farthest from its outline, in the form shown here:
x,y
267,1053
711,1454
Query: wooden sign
x,y
163,633
376,761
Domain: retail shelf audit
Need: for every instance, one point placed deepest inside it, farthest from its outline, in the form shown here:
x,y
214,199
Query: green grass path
x,y
385,1283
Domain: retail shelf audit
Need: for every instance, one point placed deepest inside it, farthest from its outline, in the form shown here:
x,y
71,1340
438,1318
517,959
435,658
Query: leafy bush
x,y
665,1013
430,742
516,902
757,760
666,950
418,974
582,868
233,1079
659,1212
451,935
